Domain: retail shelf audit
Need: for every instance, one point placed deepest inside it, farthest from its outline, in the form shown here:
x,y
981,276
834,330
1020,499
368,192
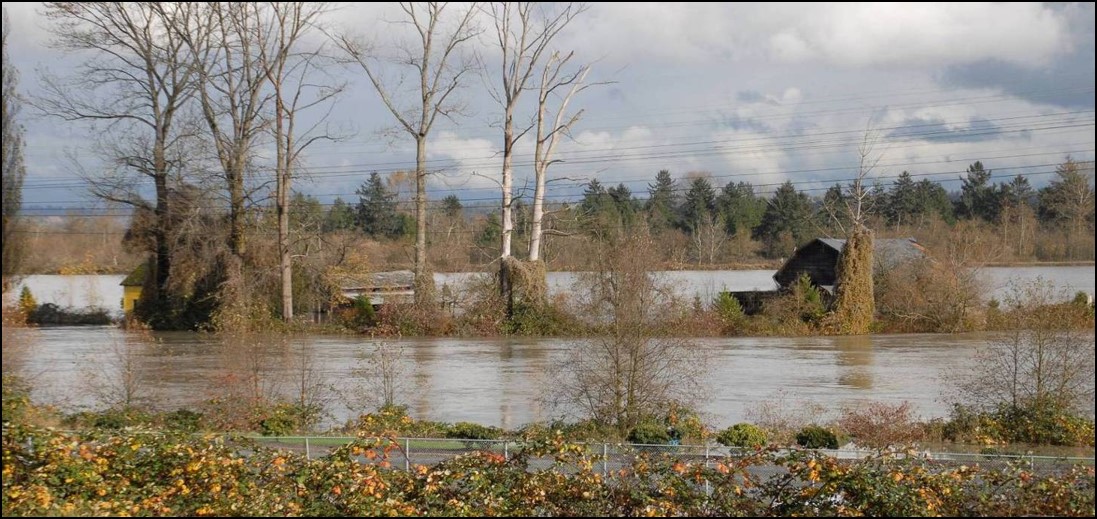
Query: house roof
x,y
818,259
392,280
886,252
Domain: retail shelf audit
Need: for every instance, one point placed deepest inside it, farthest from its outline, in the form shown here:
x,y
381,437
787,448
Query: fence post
x,y
708,488
506,452
308,455
407,454
605,461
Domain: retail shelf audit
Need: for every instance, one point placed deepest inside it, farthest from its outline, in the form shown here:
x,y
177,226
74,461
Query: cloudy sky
x,y
760,93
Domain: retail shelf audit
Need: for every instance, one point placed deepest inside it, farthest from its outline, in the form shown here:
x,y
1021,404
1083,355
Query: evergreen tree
x,y
625,205
786,221
978,197
834,213
662,203
1069,197
340,216
902,202
307,214
931,200
699,205
451,206
741,210
1016,193
376,213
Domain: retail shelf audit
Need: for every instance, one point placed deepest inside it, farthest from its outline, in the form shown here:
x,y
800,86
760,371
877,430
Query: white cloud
x,y
478,162
846,34
933,33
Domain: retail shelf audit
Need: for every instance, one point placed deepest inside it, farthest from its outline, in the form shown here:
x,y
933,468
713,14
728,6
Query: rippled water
x,y
503,381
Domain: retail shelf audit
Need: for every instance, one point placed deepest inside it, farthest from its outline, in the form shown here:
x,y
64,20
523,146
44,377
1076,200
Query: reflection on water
x,y
504,381
855,356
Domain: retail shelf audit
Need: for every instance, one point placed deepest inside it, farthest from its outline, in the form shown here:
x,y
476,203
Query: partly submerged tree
x,y
137,77
435,59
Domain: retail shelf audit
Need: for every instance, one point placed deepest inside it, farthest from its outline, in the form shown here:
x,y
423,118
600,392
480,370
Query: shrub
x,y
16,399
649,433
539,320
183,420
879,424
363,316
285,418
27,303
472,431
815,437
742,435
728,308
394,419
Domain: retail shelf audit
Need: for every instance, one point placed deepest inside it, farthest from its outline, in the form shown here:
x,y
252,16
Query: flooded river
x,y
504,381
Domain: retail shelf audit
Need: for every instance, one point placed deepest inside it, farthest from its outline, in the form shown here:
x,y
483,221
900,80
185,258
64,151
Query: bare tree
x,y
384,371
632,371
311,388
291,72
1043,363
709,238
137,80
118,380
523,32
225,42
439,68
553,78
11,147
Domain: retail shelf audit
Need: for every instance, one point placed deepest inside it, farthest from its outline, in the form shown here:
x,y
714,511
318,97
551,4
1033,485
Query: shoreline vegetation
x,y
133,462
772,264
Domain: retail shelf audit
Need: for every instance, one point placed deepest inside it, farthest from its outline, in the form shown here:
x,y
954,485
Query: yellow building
x,y
131,287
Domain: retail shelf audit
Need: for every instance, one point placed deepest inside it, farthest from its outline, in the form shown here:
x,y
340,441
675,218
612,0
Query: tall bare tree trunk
x,y
284,179
424,280
439,77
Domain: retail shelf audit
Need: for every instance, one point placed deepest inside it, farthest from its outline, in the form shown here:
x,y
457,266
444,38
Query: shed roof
x,y
137,277
395,279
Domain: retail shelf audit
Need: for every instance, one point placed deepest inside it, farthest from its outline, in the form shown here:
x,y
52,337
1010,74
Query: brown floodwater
x,y
504,382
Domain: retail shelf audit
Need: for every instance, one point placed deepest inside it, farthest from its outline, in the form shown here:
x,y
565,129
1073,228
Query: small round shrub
x,y
472,431
649,433
742,435
815,437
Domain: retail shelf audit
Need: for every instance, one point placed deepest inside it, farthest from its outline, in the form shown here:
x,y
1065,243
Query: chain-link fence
x,y
406,452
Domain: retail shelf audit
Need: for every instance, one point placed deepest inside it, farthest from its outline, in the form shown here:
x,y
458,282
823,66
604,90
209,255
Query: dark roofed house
x,y
819,260
397,286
